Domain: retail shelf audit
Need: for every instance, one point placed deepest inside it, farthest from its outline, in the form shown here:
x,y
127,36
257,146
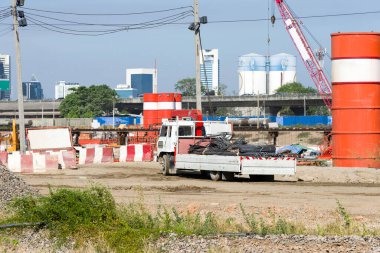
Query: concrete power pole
x,y
20,95
198,87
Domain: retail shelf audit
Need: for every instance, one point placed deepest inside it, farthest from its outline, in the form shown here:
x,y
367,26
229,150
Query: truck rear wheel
x,y
215,175
262,178
166,165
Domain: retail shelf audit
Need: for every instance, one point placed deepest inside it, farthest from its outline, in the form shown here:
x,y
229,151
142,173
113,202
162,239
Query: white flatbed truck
x,y
173,153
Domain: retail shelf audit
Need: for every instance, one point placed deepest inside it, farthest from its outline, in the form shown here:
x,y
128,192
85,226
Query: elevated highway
x,y
272,103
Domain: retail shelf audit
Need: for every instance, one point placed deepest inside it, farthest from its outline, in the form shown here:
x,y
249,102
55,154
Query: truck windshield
x,y
164,130
185,131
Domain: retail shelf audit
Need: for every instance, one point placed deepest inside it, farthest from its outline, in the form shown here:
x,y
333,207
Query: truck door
x,y
161,144
168,140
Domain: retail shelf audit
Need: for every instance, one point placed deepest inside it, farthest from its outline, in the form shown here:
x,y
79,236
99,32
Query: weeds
x,y
343,214
92,217
276,226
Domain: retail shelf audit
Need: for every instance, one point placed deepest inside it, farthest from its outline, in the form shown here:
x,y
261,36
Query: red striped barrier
x,y
3,157
136,153
96,155
32,162
66,158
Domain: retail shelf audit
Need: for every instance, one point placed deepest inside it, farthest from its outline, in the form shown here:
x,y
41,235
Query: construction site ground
x,y
310,197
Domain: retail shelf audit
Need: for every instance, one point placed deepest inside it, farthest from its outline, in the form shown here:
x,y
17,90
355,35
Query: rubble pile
x,y
12,186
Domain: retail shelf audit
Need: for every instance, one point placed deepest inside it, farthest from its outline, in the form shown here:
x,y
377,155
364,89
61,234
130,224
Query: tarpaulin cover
x,y
292,149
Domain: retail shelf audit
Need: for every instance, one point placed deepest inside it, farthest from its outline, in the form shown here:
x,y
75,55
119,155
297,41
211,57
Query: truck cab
x,y
171,131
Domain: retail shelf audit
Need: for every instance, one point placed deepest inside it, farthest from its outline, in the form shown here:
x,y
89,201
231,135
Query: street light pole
x,y
20,96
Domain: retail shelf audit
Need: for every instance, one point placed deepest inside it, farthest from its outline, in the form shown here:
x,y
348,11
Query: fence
x,y
283,121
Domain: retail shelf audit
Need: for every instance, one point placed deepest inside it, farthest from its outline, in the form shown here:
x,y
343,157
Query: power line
x,y
233,21
98,24
304,17
108,14
143,25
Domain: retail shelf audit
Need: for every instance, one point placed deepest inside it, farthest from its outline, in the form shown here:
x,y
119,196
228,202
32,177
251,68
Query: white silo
x,y
282,70
252,74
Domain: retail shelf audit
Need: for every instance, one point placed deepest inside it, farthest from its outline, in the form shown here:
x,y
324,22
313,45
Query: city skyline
x,y
171,47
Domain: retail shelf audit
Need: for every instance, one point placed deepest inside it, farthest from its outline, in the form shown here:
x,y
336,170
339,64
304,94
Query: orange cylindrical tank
x,y
166,105
356,99
178,101
150,112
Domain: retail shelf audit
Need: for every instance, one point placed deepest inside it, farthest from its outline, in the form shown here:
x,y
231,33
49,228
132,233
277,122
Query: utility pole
x,y
258,109
304,106
20,95
198,87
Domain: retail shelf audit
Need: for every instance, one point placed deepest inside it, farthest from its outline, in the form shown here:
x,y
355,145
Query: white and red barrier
x,y
96,155
32,162
136,153
66,158
3,157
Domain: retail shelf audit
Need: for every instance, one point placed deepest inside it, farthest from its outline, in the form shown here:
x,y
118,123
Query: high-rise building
x,y
124,91
32,90
210,69
143,80
5,77
63,88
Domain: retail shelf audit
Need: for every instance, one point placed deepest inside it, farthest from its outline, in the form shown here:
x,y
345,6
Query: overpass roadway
x,y
273,103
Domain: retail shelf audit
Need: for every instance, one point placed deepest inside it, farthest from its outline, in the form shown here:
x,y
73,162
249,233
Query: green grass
x,y
92,217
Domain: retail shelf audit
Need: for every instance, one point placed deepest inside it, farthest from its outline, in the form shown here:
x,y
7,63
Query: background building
x,y
259,74
124,91
5,77
63,88
211,66
32,90
143,80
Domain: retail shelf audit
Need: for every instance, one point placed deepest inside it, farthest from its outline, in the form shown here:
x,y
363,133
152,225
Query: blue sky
x,y
93,60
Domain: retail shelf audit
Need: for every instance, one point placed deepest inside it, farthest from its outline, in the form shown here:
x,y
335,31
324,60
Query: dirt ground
x,y
310,197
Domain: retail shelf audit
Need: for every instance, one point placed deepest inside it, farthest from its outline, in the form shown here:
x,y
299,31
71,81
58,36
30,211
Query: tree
x,y
300,89
222,88
295,88
88,102
187,87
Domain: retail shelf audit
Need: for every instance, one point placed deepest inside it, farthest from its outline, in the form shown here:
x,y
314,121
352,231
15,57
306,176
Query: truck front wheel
x,y
166,165
215,175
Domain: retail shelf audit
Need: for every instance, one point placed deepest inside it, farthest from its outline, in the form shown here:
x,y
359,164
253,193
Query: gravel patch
x,y
12,186
30,240
271,243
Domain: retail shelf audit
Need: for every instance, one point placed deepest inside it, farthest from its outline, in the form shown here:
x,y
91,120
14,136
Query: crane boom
x,y
312,65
